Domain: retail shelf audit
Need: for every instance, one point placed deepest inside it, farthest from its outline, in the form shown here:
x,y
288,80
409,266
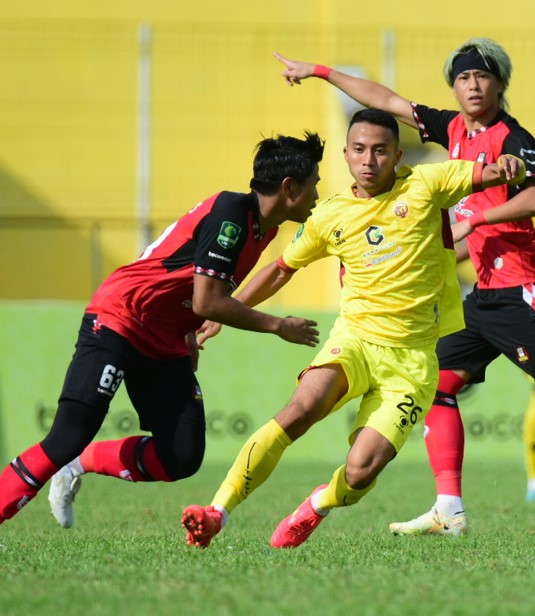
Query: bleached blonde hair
x,y
493,55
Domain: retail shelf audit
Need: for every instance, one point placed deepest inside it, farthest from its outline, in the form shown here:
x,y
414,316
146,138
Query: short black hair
x,y
280,157
376,116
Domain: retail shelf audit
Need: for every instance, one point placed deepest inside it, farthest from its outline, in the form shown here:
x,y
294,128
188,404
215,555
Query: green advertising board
x,y
245,377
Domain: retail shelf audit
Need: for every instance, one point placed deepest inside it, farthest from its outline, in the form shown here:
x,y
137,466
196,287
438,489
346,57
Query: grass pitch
x,y
127,554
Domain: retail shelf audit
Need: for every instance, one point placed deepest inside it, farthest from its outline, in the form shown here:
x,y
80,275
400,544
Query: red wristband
x,y
322,71
476,220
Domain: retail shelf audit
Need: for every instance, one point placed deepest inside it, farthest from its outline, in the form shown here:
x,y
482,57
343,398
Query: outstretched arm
x,y
509,170
366,92
211,301
261,287
264,284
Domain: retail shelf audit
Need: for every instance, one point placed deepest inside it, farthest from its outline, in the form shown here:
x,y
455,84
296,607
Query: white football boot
x,y
64,486
433,523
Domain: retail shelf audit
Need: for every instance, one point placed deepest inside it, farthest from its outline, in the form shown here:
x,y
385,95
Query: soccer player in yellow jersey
x,y
391,231
499,310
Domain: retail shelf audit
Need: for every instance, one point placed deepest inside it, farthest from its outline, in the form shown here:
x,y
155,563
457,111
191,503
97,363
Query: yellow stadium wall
x,y
69,115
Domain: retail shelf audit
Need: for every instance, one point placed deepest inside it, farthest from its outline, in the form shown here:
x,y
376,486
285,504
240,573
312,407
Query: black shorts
x,y
498,321
162,391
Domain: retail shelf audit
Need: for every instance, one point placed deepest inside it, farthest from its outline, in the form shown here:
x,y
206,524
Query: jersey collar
x,y
497,118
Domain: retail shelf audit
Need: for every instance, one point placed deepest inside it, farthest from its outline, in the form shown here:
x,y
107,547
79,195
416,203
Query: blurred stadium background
x,y
116,118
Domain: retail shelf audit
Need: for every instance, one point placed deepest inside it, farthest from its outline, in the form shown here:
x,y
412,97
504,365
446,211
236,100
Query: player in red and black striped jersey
x,y
150,301
500,312
140,326
488,247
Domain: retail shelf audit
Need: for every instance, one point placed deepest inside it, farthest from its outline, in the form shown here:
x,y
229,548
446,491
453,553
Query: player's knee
x,y
296,419
359,477
181,465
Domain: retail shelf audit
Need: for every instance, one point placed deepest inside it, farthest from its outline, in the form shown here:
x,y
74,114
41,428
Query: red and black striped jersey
x,y
503,255
149,301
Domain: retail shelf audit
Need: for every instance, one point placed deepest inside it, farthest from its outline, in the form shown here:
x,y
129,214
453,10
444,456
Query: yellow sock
x,y
529,437
339,494
253,465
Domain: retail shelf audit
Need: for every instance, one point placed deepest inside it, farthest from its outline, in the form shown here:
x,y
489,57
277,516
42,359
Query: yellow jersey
x,y
400,284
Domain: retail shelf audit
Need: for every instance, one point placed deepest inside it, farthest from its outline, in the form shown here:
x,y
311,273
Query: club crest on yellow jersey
x,y
401,210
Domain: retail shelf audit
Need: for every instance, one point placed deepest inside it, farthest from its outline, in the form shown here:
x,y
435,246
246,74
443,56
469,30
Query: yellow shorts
x,y
397,385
